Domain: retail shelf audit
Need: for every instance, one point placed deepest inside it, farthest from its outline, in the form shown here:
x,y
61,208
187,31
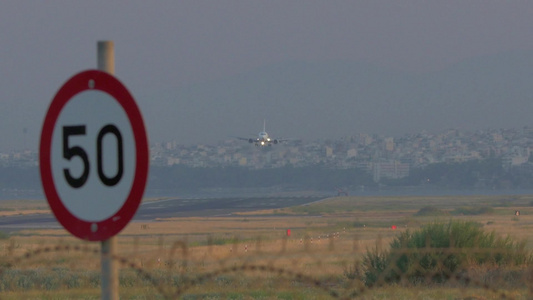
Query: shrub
x,y
473,211
3,235
438,250
430,211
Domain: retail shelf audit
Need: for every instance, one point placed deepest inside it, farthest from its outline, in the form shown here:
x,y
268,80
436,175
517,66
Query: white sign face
x,y
92,156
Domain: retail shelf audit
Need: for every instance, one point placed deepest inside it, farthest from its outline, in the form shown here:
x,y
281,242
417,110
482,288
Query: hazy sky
x,y
161,45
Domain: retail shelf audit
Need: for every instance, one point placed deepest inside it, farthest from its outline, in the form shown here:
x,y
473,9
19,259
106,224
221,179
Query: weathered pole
x,y
109,284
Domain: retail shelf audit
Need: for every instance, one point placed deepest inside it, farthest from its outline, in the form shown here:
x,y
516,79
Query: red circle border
x,y
113,225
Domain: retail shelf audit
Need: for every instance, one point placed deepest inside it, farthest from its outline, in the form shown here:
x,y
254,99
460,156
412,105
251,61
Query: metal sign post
x,y
106,63
93,159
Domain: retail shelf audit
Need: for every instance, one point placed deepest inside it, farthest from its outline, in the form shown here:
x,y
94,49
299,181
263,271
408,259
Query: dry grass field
x,y
23,207
251,255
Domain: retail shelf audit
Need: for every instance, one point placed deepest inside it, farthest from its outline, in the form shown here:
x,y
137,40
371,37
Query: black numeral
x,y
70,152
120,159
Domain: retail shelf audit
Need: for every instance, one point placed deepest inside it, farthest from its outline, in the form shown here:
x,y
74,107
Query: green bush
x,y
438,251
3,235
473,211
430,211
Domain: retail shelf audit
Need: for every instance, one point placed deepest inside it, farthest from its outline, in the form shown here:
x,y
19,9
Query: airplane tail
x,y
264,125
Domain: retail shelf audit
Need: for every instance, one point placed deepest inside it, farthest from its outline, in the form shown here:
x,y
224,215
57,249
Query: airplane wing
x,y
248,139
281,140
240,138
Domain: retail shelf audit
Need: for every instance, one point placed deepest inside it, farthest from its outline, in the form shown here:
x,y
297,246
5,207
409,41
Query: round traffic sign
x,y
93,155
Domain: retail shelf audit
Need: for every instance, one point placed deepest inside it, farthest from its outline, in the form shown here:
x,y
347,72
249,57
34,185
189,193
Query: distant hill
x,y
331,99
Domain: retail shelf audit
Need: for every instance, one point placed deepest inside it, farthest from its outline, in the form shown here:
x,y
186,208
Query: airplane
x,y
262,139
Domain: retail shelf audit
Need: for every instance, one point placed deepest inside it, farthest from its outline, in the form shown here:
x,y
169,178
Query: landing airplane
x,y
262,139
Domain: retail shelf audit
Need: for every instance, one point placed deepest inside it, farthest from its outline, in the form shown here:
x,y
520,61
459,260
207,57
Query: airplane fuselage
x,y
263,139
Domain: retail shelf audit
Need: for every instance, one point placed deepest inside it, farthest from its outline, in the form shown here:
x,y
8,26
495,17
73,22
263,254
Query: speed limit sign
x,y
93,156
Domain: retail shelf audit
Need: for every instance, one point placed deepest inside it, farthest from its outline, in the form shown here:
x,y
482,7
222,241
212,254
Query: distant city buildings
x,y
382,157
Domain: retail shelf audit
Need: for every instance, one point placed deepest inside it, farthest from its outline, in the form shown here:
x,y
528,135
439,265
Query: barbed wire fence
x,y
326,267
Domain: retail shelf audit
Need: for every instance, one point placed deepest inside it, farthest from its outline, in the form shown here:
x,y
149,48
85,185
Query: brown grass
x,y
23,207
321,245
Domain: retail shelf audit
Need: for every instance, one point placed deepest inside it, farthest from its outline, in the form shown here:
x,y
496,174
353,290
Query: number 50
x,y
70,152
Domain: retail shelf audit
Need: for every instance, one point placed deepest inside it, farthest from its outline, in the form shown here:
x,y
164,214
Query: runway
x,y
169,208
